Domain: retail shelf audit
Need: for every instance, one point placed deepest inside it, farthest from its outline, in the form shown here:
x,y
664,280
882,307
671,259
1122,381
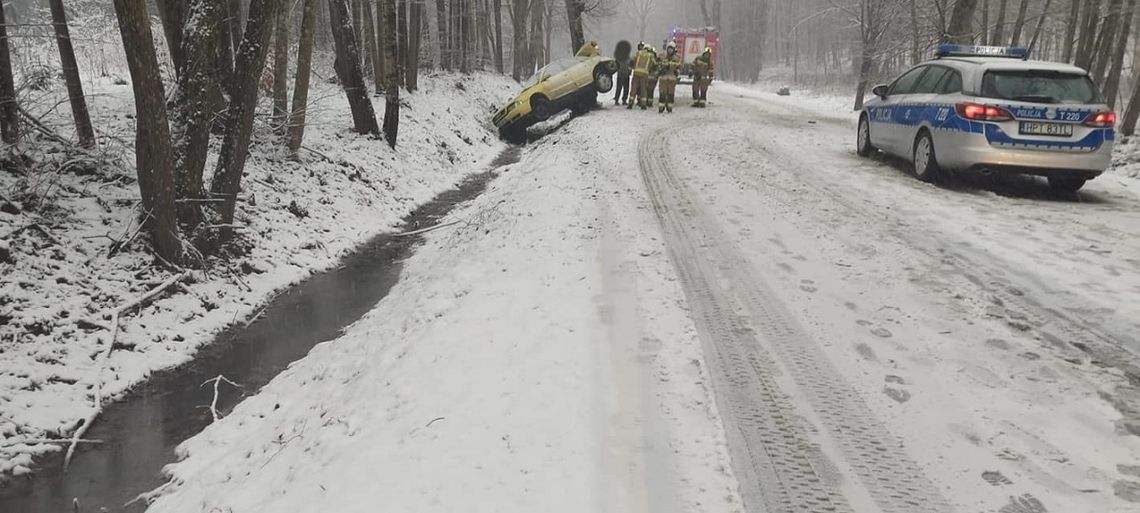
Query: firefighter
x,y
702,75
641,66
589,49
651,80
668,70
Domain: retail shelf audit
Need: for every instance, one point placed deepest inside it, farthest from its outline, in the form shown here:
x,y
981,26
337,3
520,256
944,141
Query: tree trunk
x,y
961,28
1106,39
152,130
537,12
281,71
193,102
243,103
1088,34
914,42
1132,113
985,32
415,29
348,69
1019,25
71,76
9,110
402,43
391,87
304,71
519,11
1071,29
999,26
444,34
369,44
498,15
173,15
1112,83
378,62
1040,26
574,10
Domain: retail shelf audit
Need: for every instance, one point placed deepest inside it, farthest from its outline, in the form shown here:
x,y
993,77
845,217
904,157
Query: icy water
x,y
141,430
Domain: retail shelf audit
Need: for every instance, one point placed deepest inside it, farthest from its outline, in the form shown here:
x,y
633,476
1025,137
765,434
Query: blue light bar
x,y
981,51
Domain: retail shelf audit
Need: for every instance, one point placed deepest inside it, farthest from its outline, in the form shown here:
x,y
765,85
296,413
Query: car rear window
x,y
1039,86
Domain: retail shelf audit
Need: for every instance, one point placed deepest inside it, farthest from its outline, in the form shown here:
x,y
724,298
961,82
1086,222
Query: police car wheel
x,y
1067,184
603,82
863,146
925,160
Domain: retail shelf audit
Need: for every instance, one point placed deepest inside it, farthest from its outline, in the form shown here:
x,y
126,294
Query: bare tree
x,y
1019,23
71,76
498,17
152,130
192,102
415,25
9,109
1116,69
391,85
243,102
348,69
641,9
173,14
520,10
961,28
281,71
304,70
1071,29
574,11
999,26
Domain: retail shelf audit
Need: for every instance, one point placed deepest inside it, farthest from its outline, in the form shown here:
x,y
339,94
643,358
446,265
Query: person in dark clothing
x,y
621,88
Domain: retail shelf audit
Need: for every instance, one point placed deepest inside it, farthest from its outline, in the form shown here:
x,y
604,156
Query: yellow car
x,y
569,83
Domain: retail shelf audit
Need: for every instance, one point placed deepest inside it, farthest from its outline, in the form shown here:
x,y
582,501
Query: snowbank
x,y
297,218
533,357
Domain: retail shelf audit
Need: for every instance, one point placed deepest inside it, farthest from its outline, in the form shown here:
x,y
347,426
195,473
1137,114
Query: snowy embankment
x,y
535,356
69,251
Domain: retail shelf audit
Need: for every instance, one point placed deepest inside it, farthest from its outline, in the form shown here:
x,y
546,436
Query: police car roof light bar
x,y
981,51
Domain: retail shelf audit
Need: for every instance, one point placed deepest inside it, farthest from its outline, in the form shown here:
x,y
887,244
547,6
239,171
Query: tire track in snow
x,y
779,468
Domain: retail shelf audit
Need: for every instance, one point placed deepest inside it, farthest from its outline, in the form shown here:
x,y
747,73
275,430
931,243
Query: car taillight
x,y
978,112
1102,120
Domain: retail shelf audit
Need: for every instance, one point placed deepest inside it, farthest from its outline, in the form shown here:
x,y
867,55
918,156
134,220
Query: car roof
x,y
1001,63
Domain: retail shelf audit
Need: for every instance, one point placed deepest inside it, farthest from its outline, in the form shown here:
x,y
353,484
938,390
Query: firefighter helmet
x,y
708,50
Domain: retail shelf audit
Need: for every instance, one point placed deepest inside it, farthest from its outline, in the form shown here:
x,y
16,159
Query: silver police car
x,y
989,109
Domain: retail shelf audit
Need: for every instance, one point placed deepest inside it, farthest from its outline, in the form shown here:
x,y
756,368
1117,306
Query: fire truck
x,y
691,43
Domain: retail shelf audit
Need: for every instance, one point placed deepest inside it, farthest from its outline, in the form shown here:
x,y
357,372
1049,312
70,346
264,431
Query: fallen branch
x,y
101,360
48,234
425,230
36,226
433,421
48,441
214,403
41,127
326,157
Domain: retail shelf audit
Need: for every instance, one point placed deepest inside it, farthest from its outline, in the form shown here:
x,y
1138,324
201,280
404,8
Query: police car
x,y
989,109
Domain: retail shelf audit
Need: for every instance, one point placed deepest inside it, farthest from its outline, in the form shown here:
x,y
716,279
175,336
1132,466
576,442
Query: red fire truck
x,y
691,43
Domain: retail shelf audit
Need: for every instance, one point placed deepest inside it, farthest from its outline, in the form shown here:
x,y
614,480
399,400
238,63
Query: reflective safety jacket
x,y
669,68
642,63
702,67
588,50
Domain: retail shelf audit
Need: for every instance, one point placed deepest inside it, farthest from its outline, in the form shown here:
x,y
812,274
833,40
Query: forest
x,y
202,71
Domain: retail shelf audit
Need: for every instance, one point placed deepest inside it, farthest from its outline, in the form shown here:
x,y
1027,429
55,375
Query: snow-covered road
x,y
719,310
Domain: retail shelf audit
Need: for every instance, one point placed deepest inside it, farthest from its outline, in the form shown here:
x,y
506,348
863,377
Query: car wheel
x,y
1067,184
863,145
603,82
541,107
925,160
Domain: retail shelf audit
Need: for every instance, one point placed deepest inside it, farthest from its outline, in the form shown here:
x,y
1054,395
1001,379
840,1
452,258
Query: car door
x,y
922,107
886,116
562,83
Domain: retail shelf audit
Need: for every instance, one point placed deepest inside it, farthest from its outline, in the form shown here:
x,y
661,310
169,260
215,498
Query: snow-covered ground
x,y
298,217
718,310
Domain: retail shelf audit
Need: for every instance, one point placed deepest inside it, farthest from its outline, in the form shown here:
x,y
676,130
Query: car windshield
x,y
1039,86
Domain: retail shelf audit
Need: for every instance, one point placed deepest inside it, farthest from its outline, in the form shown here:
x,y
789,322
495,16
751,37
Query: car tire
x,y
925,159
603,81
863,144
541,107
1067,184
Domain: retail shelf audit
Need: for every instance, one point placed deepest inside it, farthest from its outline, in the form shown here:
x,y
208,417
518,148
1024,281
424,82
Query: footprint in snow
x,y
996,478
1024,504
882,332
998,343
808,286
866,352
897,394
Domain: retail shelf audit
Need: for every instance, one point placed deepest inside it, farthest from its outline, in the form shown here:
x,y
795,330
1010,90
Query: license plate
x,y
1049,129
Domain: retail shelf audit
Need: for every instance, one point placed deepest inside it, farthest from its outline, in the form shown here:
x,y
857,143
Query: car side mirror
x,y
880,91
